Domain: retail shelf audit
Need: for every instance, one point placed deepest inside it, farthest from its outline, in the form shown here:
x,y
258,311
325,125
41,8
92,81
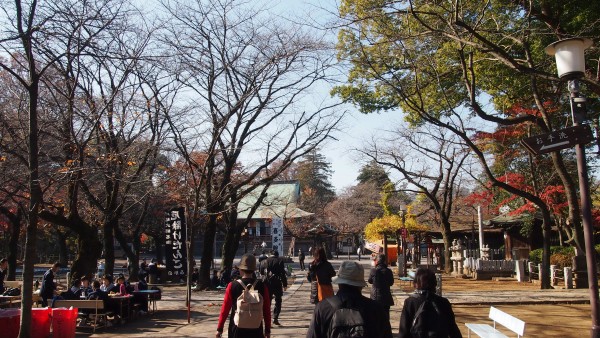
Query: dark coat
x,y
323,271
48,285
382,279
3,274
276,274
411,305
372,312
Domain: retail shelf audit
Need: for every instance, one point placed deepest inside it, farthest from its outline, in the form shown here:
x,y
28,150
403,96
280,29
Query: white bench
x,y
511,323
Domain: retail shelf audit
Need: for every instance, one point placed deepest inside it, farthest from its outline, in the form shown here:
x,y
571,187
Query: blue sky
x,y
357,127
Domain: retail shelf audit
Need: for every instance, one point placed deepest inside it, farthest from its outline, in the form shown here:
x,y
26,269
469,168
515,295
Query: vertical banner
x,y
175,249
277,234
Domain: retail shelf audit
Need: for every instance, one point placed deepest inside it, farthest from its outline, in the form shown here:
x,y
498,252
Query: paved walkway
x,y
171,318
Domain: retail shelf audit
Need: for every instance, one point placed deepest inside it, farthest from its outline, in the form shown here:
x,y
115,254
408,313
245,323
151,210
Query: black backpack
x,y
347,321
428,322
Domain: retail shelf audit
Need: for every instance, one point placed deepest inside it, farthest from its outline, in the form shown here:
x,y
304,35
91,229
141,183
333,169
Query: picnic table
x,y
151,296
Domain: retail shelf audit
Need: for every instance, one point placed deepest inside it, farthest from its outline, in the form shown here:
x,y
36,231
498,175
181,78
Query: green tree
x,y
314,173
373,172
441,63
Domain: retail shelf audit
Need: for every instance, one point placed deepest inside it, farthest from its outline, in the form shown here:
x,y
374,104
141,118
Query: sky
x,y
357,127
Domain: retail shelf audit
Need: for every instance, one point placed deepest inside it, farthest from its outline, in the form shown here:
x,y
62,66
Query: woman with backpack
x,y
320,271
425,314
250,294
382,279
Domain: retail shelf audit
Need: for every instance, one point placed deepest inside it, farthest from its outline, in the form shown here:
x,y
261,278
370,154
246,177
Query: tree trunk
x,y
35,200
230,247
89,248
63,252
447,254
207,253
546,230
109,248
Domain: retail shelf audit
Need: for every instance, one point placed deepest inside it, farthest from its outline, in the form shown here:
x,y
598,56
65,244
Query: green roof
x,y
281,201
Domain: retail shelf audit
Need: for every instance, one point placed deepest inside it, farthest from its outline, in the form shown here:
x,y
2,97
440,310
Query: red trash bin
x,y
64,322
9,322
40,322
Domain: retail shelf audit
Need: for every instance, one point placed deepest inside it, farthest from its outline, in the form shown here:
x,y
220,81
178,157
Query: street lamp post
x,y
570,62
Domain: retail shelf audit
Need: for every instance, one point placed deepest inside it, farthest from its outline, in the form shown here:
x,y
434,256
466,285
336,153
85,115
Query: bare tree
x,y
430,160
245,75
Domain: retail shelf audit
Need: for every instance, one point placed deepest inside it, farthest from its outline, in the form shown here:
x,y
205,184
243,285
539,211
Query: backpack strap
x,y
242,283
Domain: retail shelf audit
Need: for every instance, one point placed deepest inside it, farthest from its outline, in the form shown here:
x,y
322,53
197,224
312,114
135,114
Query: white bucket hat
x,y
350,273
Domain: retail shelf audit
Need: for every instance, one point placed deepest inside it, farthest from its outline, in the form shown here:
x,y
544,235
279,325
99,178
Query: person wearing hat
x,y
382,279
234,289
351,281
277,279
444,324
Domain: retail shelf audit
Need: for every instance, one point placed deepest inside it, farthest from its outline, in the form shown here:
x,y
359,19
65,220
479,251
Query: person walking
x,y
321,271
234,289
277,281
349,310
382,279
3,273
48,289
301,259
436,316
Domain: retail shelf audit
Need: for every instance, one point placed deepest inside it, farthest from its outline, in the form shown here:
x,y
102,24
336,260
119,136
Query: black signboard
x,y
559,139
175,248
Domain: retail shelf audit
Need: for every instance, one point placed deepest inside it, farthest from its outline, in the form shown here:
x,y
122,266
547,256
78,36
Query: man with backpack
x,y
349,313
247,302
425,314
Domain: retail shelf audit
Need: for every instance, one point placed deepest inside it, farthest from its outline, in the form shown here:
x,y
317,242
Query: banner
x,y
277,234
175,248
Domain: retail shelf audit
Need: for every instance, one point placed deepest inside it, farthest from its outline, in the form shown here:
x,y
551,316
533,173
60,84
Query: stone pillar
x,y
568,278
541,272
553,272
520,270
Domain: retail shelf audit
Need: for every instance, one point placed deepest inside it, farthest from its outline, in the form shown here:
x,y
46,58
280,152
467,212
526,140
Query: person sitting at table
x,y
97,293
70,294
107,284
84,288
142,285
122,286
214,280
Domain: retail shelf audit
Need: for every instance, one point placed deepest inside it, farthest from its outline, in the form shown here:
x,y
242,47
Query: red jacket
x,y
233,291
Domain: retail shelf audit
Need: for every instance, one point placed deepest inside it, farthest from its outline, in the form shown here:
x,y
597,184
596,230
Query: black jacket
x,y
48,286
323,271
276,272
372,312
411,305
382,278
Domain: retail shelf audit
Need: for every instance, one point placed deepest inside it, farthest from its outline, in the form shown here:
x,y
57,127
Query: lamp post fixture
x,y
570,62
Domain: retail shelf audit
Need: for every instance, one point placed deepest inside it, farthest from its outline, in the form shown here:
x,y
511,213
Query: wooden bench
x,y
87,304
497,316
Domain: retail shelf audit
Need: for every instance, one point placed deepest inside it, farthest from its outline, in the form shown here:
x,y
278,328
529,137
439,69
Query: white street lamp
x,y
570,62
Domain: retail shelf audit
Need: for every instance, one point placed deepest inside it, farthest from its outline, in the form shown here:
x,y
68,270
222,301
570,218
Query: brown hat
x,y
248,262
350,273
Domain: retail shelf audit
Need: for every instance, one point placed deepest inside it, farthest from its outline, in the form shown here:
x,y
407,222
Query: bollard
x,y
568,277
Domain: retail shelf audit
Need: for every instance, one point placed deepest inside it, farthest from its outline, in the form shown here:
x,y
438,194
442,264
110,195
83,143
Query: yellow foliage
x,y
390,224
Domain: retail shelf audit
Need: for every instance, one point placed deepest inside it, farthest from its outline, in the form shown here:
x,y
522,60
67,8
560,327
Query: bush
x,y
561,260
559,255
